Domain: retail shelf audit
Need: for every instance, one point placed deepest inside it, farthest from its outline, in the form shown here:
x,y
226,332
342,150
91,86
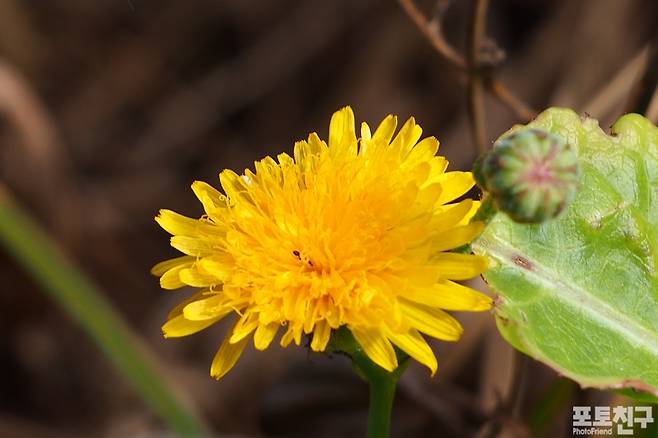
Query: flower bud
x,y
532,175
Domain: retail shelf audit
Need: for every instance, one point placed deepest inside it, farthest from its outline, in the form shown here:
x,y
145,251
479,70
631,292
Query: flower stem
x,y
382,383
382,392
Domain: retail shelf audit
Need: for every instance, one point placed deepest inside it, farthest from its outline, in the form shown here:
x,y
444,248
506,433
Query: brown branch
x,y
432,32
652,111
42,153
643,91
607,98
447,413
23,109
504,95
476,113
518,385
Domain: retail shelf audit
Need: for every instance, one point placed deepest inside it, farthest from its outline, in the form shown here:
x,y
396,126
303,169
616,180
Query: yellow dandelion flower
x,y
354,233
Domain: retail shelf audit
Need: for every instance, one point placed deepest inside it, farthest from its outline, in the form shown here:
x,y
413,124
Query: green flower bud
x,y
532,175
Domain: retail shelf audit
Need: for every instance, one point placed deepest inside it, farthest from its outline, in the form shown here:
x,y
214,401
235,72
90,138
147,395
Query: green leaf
x,y
580,293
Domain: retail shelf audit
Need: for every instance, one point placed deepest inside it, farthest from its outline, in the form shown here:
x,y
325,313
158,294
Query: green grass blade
x,y
23,238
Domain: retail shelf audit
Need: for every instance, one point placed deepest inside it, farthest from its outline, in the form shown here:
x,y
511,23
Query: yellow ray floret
x,y
355,233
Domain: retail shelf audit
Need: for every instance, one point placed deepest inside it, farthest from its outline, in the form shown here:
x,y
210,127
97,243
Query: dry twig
x,y
447,413
432,32
640,99
47,159
605,100
474,89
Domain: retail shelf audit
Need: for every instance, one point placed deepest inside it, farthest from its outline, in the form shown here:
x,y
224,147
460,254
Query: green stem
x,y
381,383
24,239
382,392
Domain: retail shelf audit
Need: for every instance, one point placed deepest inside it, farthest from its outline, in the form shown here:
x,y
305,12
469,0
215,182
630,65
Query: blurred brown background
x,y
110,109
